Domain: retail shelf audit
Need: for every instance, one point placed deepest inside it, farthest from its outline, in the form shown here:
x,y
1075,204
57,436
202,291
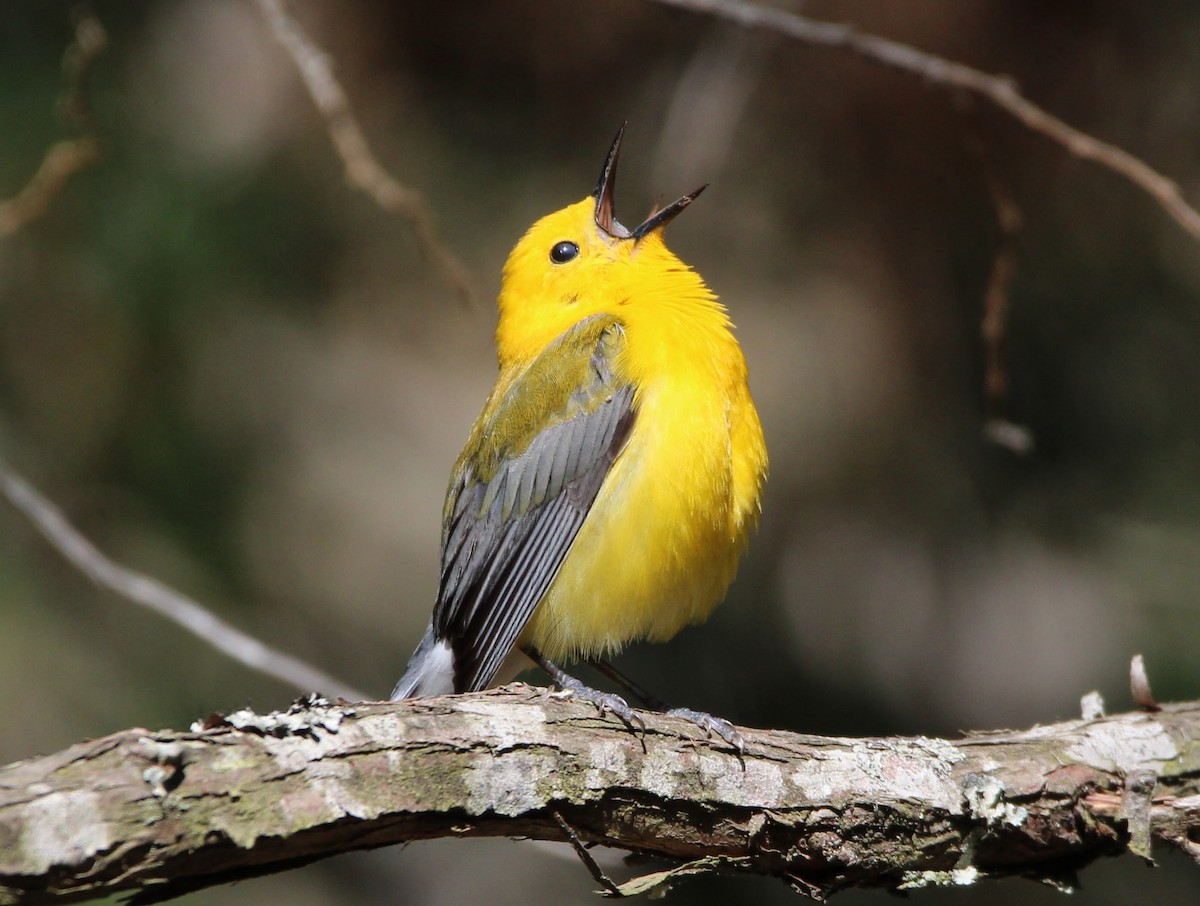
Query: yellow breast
x,y
662,541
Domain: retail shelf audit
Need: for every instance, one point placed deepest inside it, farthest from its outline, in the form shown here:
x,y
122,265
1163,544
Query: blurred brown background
x,y
238,375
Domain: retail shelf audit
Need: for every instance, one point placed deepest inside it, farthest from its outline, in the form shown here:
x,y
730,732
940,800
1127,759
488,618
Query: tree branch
x,y
70,156
999,91
162,599
161,813
363,170
998,425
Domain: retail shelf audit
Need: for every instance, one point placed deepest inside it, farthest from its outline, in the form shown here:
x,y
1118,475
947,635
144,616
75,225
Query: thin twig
x,y
362,168
998,426
65,158
998,90
165,601
609,885
62,161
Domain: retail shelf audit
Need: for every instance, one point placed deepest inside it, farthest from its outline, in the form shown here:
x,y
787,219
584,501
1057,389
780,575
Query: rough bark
x,y
160,813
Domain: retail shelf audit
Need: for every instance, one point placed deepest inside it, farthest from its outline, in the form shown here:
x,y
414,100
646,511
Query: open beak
x,y
606,218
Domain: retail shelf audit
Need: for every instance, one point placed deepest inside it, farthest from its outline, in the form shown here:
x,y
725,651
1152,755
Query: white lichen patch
x,y
814,779
916,770
157,776
295,753
956,877
608,760
339,799
309,716
964,877
62,828
984,795
383,730
663,770
759,783
1125,746
324,797
160,752
945,752
504,725
511,785
1091,706
329,769
395,760
311,804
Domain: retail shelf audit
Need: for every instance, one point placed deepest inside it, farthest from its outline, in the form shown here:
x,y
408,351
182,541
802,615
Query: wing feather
x,y
518,501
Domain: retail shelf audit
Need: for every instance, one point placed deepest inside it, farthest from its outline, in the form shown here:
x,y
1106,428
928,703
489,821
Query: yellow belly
x,y
661,543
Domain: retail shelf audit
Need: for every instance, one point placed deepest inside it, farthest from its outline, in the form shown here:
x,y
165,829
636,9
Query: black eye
x,y
563,252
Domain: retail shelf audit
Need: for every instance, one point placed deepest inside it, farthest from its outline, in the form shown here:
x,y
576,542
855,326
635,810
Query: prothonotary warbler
x,y
609,486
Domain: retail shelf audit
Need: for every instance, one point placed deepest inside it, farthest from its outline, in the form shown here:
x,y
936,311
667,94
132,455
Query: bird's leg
x,y
607,670
605,701
706,722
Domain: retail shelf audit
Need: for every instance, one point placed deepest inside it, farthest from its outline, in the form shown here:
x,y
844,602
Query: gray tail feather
x,y
430,670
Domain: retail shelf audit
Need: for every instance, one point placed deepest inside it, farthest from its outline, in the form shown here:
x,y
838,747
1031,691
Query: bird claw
x,y
710,725
605,702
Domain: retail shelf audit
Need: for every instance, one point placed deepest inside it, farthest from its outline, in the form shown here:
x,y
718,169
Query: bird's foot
x,y
710,725
605,702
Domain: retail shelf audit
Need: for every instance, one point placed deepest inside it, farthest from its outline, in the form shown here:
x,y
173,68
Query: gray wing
x,y
506,536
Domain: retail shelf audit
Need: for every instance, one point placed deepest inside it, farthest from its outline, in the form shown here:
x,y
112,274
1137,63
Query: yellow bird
x,y
610,485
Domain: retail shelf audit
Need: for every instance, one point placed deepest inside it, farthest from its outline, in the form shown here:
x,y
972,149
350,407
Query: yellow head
x,y
581,261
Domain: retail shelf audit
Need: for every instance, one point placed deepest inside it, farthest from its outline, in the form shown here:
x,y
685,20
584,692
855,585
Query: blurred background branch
x,y
166,602
998,425
67,157
363,170
999,90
